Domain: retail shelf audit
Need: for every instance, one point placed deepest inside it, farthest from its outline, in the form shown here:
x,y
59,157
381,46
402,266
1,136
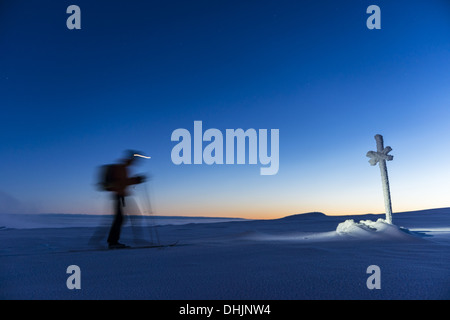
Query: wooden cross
x,y
381,156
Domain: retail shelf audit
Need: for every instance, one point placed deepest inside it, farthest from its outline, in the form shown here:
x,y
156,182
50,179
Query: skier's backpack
x,y
106,178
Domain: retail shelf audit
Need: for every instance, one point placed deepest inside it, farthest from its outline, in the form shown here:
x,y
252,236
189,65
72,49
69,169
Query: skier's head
x,y
129,157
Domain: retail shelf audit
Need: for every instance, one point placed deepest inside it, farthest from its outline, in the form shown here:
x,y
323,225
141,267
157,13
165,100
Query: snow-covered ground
x,y
307,256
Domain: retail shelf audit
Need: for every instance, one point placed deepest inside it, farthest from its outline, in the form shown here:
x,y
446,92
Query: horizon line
x,y
224,217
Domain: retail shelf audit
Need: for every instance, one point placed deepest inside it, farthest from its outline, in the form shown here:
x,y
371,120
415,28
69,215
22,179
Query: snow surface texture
x,y
306,256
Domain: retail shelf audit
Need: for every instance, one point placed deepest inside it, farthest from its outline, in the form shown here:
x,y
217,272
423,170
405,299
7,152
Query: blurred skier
x,y
115,178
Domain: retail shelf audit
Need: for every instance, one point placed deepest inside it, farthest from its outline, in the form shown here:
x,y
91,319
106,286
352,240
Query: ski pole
x,y
150,212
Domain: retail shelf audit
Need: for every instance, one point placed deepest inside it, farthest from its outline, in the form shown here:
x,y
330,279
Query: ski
x,y
150,246
147,246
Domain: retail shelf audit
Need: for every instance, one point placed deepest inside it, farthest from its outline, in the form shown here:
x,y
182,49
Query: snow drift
x,y
364,230
371,230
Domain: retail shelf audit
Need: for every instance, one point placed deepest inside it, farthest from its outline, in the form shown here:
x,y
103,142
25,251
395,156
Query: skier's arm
x,y
136,180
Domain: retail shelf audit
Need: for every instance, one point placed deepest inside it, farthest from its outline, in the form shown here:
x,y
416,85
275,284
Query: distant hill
x,y
308,215
316,215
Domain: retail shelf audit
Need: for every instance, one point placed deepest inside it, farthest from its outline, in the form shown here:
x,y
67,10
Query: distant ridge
x,y
307,215
435,210
315,214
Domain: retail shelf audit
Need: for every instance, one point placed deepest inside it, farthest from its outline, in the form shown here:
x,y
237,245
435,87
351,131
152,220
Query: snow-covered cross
x,y
381,156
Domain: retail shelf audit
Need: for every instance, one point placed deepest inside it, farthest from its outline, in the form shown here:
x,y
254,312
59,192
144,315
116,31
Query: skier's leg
x,y
114,233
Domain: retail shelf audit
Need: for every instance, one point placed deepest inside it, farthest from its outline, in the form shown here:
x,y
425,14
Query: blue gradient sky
x,y
72,100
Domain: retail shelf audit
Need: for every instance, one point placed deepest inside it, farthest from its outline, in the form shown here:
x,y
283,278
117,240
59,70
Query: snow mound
x,y
349,230
367,229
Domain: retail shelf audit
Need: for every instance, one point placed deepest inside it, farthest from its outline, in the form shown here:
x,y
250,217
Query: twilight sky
x,y
72,100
